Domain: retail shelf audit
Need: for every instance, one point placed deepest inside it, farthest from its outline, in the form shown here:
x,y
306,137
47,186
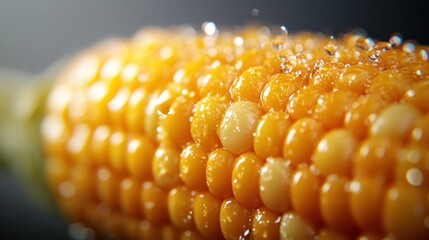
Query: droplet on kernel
x,y
331,49
424,54
209,28
289,64
396,40
319,64
364,43
374,55
409,47
254,12
383,46
419,72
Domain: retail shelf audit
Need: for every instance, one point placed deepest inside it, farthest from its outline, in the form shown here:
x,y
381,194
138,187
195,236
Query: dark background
x,y
36,33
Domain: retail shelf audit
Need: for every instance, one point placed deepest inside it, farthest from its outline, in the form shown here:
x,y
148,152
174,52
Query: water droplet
x,y
209,28
383,46
424,54
414,177
284,30
254,12
289,64
396,40
331,49
374,55
278,44
319,64
409,47
419,72
364,43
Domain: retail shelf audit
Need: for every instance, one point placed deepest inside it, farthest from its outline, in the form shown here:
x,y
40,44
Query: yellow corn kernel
x,y
248,86
274,184
245,179
301,139
303,102
207,214
219,172
269,134
237,126
265,224
154,203
277,91
166,166
140,152
389,124
205,121
331,108
235,219
180,207
365,202
334,152
193,161
129,197
405,211
292,226
334,204
305,193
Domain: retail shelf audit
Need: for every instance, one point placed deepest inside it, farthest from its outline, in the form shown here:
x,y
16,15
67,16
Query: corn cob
x,y
243,134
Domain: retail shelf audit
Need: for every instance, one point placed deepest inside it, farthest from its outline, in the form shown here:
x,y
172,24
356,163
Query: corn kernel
x,y
206,214
206,119
166,166
180,207
301,140
305,193
249,85
154,203
275,95
237,126
245,179
334,204
274,184
235,220
405,212
193,162
219,171
334,152
265,224
292,226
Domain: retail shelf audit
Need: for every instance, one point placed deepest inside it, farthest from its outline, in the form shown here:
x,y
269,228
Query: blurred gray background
x,y
36,33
